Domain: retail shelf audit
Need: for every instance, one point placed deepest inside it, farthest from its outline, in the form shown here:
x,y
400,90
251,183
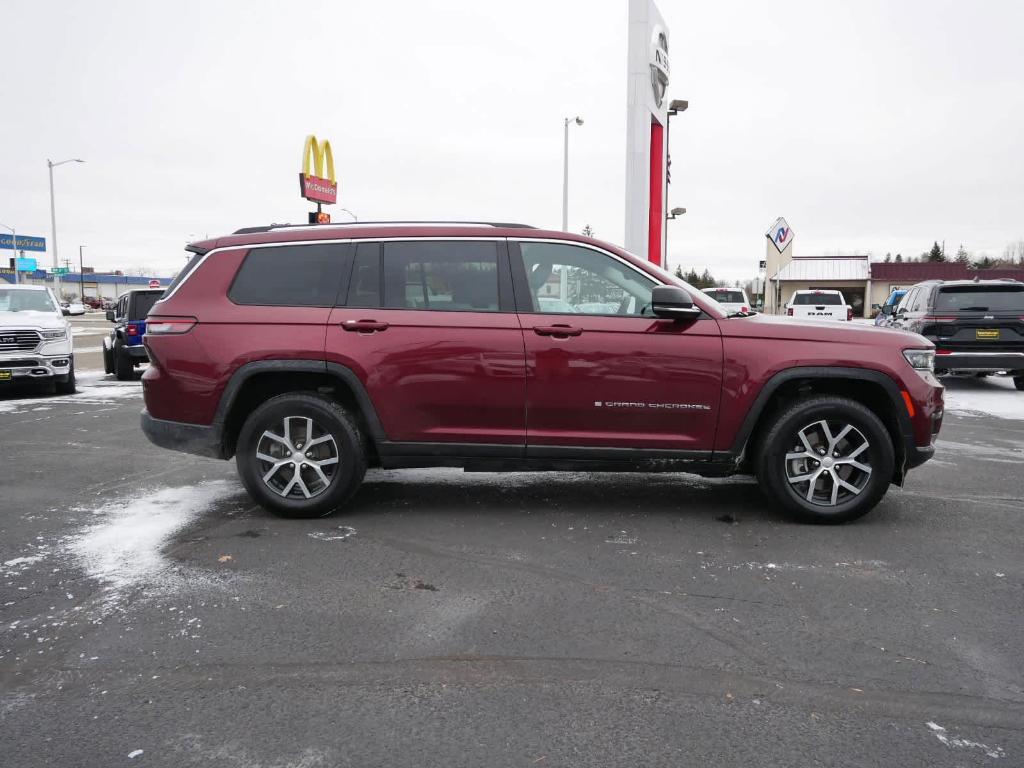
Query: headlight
x,y
920,359
51,335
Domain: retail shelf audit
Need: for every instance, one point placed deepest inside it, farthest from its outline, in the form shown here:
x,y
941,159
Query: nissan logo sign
x,y
659,66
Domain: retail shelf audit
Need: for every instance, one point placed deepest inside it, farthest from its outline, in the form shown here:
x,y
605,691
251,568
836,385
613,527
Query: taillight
x,y
132,329
789,311
849,313
158,326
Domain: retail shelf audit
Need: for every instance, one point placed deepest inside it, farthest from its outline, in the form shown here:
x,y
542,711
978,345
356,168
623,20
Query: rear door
x,y
617,378
429,326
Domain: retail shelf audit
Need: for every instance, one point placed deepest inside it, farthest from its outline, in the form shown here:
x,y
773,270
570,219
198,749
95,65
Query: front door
x,y
429,327
602,371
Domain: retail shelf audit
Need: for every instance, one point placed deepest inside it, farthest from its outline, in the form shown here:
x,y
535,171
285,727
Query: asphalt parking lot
x,y
151,615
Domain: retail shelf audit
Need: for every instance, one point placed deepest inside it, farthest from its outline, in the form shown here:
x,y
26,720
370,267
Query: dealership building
x,y
100,285
863,283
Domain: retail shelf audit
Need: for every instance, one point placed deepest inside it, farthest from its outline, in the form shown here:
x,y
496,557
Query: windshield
x,y
732,297
804,299
981,298
20,300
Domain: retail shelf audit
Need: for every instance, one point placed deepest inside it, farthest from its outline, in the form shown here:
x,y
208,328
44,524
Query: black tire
x,y
328,418
108,360
1018,382
67,387
830,502
124,368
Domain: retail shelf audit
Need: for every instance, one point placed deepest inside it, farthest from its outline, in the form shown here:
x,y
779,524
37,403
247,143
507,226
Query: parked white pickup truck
x,y
819,305
35,339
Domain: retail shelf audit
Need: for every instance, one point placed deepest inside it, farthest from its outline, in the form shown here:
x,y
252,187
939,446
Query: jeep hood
x,y
787,328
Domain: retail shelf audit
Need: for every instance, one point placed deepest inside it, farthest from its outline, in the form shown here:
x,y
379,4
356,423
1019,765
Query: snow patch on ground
x,y
940,734
992,396
94,388
124,548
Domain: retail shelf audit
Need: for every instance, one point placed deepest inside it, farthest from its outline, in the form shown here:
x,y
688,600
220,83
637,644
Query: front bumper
x,y
136,351
196,439
25,366
979,361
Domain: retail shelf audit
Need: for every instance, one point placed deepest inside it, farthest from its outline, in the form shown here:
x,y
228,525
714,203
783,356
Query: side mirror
x,y
110,315
673,302
887,309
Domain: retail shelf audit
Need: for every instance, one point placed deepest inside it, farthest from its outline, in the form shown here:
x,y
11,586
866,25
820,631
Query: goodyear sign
x,y
25,243
316,186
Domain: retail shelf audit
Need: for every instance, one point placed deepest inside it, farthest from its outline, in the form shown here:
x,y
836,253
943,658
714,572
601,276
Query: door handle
x,y
558,331
364,326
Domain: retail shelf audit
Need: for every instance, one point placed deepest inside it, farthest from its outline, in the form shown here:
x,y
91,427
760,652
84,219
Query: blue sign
x,y
25,243
25,265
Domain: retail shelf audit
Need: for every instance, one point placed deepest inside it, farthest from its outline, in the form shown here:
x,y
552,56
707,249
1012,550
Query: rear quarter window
x,y
291,276
804,299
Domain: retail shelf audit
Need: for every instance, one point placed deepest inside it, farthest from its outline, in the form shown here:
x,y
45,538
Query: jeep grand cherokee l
x,y
311,353
977,326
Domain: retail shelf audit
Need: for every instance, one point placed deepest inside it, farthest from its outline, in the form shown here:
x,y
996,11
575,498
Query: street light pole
x,y
565,173
674,108
81,276
53,219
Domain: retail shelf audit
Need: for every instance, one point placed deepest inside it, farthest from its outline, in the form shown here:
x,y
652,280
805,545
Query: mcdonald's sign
x,y
315,186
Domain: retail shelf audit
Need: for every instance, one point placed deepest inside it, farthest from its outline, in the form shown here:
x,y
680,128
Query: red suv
x,y
313,352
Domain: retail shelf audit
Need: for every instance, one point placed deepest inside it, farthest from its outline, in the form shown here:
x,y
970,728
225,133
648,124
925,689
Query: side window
x,y
569,279
905,302
921,304
122,306
441,275
290,276
364,287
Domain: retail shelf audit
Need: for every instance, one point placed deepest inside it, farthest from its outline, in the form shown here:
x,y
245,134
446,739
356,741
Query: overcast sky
x,y
877,125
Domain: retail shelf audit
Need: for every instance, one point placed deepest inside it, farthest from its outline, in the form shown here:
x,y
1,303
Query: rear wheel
x,y
826,460
124,369
301,455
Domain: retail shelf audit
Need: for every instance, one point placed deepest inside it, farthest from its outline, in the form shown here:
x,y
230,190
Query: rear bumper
x,y
196,439
979,361
916,456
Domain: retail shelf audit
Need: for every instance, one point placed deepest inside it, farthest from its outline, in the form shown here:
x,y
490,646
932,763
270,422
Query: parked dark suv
x,y
311,353
123,348
977,326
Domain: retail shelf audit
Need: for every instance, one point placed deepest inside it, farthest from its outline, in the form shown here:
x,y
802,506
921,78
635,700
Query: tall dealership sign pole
x,y
565,173
53,221
646,122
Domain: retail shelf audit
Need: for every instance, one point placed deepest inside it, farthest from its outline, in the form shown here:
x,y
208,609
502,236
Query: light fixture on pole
x,y
14,250
53,220
675,213
565,172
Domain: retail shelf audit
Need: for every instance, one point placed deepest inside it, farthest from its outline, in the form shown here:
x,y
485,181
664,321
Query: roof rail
x,y
272,227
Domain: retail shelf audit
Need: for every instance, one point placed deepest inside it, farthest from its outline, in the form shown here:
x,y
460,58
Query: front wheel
x,y
1018,382
108,360
301,455
67,387
826,460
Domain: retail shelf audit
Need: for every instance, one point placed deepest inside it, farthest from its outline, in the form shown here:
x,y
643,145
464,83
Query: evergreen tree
x,y
588,231
935,254
899,258
962,256
985,262
679,272
888,258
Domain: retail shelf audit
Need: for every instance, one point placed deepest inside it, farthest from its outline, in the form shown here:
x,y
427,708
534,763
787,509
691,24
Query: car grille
x,y
19,341
18,364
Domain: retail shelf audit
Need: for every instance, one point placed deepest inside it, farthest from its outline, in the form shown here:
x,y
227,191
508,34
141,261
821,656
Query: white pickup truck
x,y
819,305
35,339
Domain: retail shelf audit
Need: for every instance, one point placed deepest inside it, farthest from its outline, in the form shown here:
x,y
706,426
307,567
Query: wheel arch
x,y
258,381
873,389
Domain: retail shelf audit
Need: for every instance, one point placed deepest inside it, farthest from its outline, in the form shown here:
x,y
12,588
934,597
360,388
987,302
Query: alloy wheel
x,y
831,464
300,462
